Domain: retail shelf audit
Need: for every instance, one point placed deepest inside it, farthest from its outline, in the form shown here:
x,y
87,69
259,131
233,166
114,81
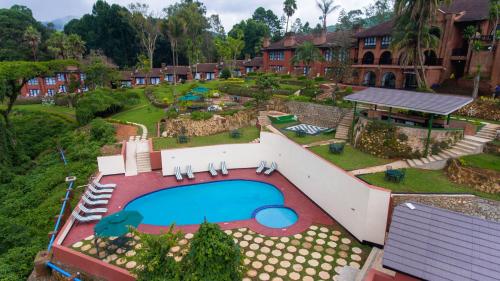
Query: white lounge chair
x,y
178,175
189,172
107,185
223,168
273,168
261,167
97,197
86,218
90,202
212,170
85,210
100,191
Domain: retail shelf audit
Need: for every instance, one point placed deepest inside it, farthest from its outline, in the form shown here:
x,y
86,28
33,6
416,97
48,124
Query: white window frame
x,y
33,92
33,82
370,41
50,81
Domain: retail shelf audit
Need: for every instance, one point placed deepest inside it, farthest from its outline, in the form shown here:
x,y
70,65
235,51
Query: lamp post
x,y
353,123
431,120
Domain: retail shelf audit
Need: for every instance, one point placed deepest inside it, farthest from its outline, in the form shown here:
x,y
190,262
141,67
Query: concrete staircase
x,y
344,126
467,146
138,160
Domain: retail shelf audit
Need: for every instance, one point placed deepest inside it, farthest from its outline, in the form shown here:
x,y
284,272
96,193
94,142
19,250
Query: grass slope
x,y
351,159
483,161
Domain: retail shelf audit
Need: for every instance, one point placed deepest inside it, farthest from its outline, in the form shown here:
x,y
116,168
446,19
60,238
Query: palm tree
x,y
33,37
176,28
306,54
289,8
74,46
326,7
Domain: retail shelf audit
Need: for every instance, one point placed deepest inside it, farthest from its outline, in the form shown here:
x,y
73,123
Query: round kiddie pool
x,y
276,216
219,201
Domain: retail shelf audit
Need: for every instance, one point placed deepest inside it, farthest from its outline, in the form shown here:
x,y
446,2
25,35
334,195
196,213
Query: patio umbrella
x,y
117,224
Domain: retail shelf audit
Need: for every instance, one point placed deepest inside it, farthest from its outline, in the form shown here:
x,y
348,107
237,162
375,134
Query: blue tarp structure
x,y
190,97
201,90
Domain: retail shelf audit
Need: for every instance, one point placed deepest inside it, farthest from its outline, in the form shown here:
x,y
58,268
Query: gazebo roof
x,y
422,102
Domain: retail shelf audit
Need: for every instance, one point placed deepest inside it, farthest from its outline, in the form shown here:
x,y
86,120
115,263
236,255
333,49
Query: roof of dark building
x,y
332,39
436,244
205,67
255,62
179,70
382,29
126,75
474,10
153,72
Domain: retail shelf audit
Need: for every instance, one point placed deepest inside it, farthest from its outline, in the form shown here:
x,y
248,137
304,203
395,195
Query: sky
x,y
230,11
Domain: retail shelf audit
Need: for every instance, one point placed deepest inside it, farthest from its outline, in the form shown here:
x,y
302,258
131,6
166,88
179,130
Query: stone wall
x,y
214,125
481,179
492,148
466,204
310,113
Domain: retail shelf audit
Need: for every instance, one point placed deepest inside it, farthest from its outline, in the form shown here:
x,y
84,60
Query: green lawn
x,y
424,181
350,159
63,111
302,140
147,115
248,134
165,92
483,161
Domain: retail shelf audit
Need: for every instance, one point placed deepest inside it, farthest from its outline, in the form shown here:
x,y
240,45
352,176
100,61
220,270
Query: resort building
x,y
51,85
377,65
253,65
205,71
277,56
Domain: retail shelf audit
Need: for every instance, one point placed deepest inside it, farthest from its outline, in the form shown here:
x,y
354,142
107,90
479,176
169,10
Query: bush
x,y
311,92
381,139
172,113
152,99
229,112
101,130
235,134
348,90
201,115
319,79
225,73
286,76
28,100
213,255
299,98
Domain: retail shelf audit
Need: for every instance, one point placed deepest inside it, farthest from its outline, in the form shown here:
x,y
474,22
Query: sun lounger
x,y
90,202
261,167
178,175
189,172
99,185
97,197
86,218
273,168
212,170
85,210
223,168
100,191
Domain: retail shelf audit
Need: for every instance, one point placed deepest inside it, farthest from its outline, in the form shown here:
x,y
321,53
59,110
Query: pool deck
x,y
129,188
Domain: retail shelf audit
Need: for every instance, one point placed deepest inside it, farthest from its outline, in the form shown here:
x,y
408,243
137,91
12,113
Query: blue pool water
x,y
222,201
276,217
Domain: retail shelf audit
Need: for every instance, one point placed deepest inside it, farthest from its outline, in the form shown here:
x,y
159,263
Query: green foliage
x,y
101,130
311,92
158,264
348,90
307,53
384,140
172,113
319,79
225,73
300,98
201,115
103,103
213,256
99,73
253,32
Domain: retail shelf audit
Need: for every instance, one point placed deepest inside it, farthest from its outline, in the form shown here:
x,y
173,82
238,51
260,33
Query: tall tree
x,y
495,16
307,53
327,7
349,20
74,46
269,18
175,30
56,45
379,12
289,7
33,38
147,27
99,72
216,25
253,35
229,48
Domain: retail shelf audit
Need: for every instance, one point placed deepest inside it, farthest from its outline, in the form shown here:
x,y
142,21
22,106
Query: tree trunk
x,y
151,53
477,79
286,28
173,60
421,61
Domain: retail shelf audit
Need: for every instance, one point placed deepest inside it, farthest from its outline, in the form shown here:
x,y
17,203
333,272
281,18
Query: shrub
x,y
158,264
302,78
102,131
28,100
235,134
286,76
319,79
348,90
225,73
213,256
299,98
172,113
381,139
201,115
311,92
229,112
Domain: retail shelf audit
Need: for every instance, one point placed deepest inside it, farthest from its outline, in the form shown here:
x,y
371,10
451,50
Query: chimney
x,y
319,38
266,43
290,40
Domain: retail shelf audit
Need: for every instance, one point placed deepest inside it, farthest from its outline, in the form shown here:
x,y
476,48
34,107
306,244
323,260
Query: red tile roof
x,y
382,29
332,39
255,62
474,10
180,70
205,67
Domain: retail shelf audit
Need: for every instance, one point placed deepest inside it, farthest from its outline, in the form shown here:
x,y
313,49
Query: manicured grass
x,y
248,134
145,114
350,159
302,140
63,111
424,181
165,92
483,161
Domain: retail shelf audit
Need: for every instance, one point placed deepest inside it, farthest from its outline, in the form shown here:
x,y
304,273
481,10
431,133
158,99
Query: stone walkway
x,y
401,164
322,143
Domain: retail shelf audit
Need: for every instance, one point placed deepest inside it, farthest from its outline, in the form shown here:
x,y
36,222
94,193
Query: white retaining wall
x,y
360,208
111,165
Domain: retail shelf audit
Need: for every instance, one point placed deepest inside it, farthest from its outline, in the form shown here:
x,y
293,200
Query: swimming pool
x,y
220,201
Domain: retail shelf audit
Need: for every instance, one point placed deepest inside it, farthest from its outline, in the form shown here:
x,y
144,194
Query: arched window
x,y
368,58
430,58
369,79
386,58
389,80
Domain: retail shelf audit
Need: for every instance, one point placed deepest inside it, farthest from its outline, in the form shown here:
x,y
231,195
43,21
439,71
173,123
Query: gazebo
x,y
429,103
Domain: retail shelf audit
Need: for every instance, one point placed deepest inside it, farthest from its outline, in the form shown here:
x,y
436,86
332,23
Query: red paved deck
x,y
130,188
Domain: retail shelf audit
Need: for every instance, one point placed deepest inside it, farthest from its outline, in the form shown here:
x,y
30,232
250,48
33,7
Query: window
x,y
50,92
85,88
249,69
386,41
328,55
62,89
33,82
82,77
370,42
210,76
277,68
50,80
197,76
61,77
126,84
169,77
34,92
155,80
140,81
277,55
